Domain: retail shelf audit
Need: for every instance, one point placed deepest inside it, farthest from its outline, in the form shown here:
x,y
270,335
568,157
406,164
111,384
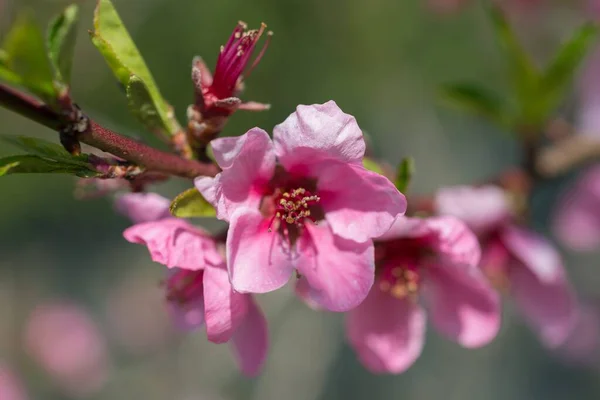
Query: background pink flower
x,y
302,202
10,386
67,344
516,259
434,260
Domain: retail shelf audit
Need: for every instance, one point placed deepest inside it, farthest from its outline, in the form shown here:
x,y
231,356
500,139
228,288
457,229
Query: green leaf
x,y
524,74
477,100
372,165
142,106
560,72
25,58
191,204
62,33
404,175
120,52
45,149
27,164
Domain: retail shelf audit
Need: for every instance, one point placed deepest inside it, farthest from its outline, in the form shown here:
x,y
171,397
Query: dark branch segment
x,y
104,139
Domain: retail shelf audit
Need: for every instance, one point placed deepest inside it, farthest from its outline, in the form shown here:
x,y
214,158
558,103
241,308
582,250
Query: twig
x,y
106,140
566,154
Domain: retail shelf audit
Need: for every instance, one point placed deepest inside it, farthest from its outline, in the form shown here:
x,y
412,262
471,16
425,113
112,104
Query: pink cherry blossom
x,y
516,259
302,202
197,285
10,386
68,345
435,260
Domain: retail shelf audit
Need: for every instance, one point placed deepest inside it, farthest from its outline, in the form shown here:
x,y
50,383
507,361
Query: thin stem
x,y
566,154
105,139
28,106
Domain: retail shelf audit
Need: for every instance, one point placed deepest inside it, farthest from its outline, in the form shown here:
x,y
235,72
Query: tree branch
x,y
105,139
566,154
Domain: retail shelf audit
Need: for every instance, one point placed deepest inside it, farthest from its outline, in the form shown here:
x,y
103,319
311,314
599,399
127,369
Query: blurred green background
x,y
381,61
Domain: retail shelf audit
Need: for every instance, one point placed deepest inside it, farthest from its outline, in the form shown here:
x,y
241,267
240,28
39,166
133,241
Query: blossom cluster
x,y
302,206
306,205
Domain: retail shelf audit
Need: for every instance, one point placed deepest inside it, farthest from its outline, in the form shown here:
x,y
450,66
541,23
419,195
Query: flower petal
x,y
224,309
340,272
143,207
534,251
454,241
304,293
358,204
481,208
447,235
550,307
258,260
463,307
174,242
251,341
577,220
321,131
248,163
386,333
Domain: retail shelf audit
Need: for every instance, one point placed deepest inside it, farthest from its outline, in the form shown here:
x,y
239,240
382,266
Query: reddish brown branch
x,y
106,140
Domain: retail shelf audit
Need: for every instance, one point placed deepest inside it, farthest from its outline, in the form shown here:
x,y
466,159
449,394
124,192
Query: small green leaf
x,y
120,52
372,165
142,106
9,76
524,74
404,175
28,164
191,204
25,57
560,72
477,100
44,149
7,165
62,33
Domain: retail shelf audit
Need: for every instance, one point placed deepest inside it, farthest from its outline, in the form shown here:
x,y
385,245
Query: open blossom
x,y
217,95
197,283
10,386
516,259
434,260
68,345
302,202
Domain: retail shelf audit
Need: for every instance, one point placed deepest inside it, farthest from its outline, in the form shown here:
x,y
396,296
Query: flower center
x,y
184,286
293,206
400,281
